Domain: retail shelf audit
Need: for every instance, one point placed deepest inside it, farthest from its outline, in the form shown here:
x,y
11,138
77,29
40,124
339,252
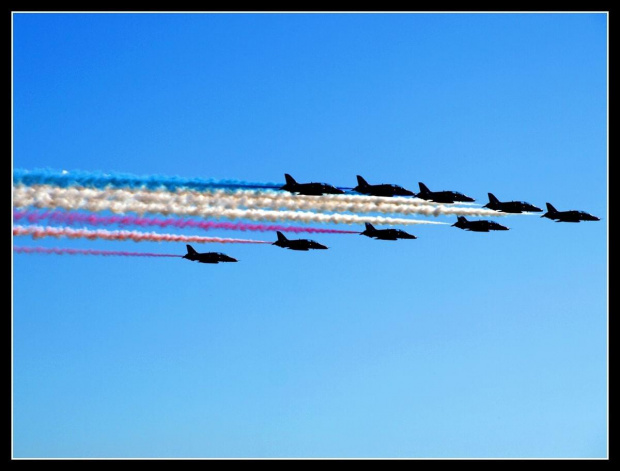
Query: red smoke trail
x,y
79,218
39,231
67,251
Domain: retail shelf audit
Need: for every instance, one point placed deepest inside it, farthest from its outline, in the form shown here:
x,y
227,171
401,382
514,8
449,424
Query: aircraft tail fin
x,y
289,180
551,209
369,227
492,198
460,220
281,237
361,181
190,250
423,188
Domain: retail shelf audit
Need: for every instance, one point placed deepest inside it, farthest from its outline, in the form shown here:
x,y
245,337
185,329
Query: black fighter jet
x,y
478,226
568,216
442,196
309,188
386,234
384,189
207,257
296,244
510,206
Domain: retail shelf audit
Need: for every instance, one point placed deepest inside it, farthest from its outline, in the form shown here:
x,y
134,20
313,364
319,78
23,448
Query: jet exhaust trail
x,y
345,198
332,203
123,201
71,218
269,200
47,231
68,251
102,180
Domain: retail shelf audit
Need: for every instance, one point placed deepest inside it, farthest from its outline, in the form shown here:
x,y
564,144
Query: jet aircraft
x,y
296,244
568,216
510,206
478,226
384,189
386,234
442,196
207,257
315,189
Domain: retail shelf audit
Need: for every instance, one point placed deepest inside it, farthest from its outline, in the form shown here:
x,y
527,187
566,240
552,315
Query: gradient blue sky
x,y
456,344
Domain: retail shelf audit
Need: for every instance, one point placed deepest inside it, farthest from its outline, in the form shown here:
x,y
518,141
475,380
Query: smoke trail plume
x,y
141,202
68,251
40,231
234,188
72,218
324,203
103,180
252,199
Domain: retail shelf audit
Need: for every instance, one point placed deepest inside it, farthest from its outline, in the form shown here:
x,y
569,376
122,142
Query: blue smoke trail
x,y
103,180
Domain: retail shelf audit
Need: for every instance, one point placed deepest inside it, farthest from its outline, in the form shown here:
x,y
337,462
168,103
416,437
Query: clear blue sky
x,y
456,344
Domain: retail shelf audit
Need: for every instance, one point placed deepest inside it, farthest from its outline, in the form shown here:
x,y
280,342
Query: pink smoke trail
x,y
70,218
39,231
68,251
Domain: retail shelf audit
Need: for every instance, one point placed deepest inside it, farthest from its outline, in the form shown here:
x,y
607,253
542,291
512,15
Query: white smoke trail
x,y
185,204
37,232
348,203
254,200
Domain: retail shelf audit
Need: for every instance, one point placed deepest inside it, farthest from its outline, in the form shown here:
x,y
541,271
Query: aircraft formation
x,y
391,190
